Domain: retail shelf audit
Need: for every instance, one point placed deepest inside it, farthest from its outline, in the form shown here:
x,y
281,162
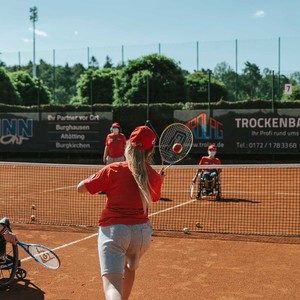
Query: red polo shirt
x,y
115,144
123,204
207,160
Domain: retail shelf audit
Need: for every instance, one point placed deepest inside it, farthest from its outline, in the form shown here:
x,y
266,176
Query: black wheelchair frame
x,y
214,186
10,265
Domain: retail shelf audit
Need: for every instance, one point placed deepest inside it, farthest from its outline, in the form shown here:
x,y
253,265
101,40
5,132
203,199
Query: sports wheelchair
x,y
10,265
207,185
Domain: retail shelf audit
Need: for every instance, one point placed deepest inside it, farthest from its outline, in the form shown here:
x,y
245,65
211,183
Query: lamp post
x,y
33,18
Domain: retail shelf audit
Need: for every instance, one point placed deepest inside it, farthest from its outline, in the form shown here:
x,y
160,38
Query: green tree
x,y
108,63
96,86
32,91
295,78
8,92
93,63
295,94
267,88
162,75
64,81
197,87
224,73
249,81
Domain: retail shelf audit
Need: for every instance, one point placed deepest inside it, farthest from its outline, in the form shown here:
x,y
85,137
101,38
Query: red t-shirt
x,y
123,204
115,144
207,160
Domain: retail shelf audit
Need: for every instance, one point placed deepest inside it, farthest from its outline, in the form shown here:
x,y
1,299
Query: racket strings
x,y
175,133
44,256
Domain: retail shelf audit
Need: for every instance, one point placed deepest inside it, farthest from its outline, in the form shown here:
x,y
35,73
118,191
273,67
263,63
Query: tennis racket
x,y
193,190
175,135
41,255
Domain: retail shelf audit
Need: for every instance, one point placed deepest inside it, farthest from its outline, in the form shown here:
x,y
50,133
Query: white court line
x,y
60,188
44,191
170,208
66,245
95,234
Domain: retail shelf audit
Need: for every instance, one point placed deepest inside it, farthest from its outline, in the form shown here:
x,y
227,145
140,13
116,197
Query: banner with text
x,y
244,131
54,132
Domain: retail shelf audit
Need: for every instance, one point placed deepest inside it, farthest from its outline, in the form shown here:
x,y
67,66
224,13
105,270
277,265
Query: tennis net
x,y
254,199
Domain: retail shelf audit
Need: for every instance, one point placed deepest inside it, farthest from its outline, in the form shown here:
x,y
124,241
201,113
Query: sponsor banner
x,y
244,131
54,132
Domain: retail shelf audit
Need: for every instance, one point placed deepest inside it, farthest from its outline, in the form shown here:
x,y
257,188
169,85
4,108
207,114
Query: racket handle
x,y
167,167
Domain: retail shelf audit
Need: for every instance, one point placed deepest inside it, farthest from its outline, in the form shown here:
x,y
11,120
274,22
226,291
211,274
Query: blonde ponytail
x,y
137,162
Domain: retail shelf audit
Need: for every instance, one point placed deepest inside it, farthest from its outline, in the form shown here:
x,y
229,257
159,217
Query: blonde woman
x,y
124,228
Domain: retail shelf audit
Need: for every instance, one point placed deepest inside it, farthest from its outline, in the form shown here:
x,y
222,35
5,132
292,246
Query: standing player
x,y
209,175
124,228
114,145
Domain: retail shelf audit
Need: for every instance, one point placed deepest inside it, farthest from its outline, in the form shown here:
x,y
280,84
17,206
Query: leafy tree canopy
x,y
197,86
8,92
154,77
96,86
32,91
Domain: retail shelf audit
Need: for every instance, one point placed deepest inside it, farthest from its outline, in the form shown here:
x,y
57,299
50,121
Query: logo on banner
x,y
205,127
15,131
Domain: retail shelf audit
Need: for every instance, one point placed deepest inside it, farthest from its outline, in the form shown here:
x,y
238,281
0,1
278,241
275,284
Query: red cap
x,y
115,125
142,138
212,148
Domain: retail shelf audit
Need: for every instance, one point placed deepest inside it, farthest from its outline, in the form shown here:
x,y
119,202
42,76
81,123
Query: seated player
x,y
209,175
5,236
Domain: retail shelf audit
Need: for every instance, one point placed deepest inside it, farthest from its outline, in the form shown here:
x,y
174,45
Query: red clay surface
x,y
200,265
173,269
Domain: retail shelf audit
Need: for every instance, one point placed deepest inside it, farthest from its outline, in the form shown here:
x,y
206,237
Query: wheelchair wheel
x,y
200,189
21,273
218,189
8,265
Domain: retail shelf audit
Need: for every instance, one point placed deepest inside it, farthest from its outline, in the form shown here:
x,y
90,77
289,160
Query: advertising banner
x,y
54,132
244,131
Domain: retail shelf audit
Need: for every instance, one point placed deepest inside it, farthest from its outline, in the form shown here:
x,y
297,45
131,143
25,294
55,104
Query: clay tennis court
x,y
236,254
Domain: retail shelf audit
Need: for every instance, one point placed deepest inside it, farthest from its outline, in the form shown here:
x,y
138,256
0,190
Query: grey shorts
x,y
122,244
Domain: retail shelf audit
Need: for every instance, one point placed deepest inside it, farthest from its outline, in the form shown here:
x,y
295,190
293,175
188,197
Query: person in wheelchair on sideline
x,y
208,175
5,236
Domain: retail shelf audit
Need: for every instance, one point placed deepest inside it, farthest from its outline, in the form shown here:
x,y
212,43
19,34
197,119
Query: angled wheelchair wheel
x,y
8,265
218,189
200,189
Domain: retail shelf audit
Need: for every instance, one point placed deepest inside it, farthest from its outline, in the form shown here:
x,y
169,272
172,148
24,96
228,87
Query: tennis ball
x,y
177,148
32,217
198,225
185,230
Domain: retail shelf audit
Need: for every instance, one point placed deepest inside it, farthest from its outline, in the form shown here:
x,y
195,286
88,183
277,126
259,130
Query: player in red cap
x,y
124,227
209,174
114,145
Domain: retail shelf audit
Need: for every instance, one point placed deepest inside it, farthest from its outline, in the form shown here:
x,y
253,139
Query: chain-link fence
x,y
278,54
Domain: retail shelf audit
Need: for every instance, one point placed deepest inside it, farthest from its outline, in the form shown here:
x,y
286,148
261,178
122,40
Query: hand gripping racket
x,y
175,143
41,255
